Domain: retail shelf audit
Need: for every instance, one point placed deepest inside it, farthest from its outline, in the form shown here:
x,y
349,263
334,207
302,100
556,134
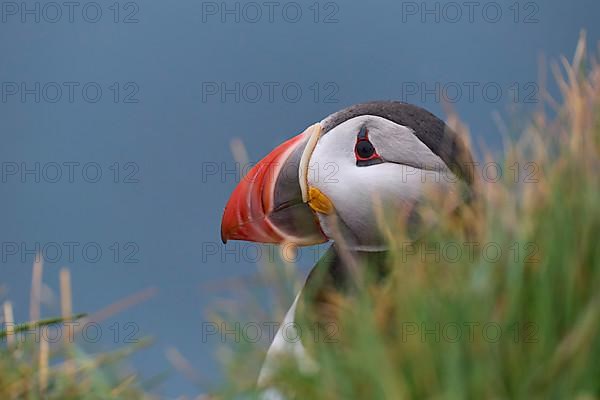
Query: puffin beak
x,y
270,204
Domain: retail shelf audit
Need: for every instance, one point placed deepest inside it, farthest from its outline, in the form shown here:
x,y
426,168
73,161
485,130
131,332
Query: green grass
x,y
92,377
521,324
42,359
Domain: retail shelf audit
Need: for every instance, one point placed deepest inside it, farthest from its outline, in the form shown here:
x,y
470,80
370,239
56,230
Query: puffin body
x,y
327,183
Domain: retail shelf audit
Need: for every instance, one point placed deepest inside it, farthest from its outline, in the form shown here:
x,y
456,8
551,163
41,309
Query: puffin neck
x,y
331,273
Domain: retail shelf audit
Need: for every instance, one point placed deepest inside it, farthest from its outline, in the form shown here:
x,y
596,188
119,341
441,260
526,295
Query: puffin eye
x,y
365,151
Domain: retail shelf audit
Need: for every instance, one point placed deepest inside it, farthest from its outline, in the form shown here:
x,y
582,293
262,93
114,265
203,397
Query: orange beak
x,y
268,205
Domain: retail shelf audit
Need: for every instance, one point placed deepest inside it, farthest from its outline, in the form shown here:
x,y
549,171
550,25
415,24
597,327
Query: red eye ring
x,y
364,151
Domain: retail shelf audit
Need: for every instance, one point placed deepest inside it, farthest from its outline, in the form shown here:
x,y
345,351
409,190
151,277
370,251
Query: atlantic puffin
x,y
320,186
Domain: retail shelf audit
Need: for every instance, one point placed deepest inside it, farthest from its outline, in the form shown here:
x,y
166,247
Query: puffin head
x,y
324,183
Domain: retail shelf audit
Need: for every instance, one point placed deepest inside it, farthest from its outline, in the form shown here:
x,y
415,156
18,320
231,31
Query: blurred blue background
x,y
150,94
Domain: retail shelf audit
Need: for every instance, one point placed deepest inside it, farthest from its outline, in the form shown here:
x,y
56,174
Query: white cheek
x,y
354,190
